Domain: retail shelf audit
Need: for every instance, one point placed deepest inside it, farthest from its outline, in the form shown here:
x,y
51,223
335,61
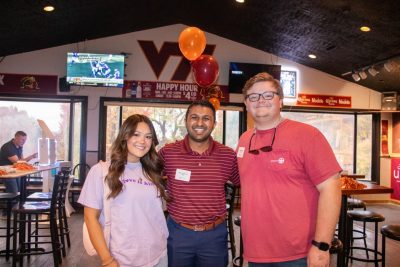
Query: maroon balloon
x,y
205,70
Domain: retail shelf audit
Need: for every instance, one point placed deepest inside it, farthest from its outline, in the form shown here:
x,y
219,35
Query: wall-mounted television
x,y
95,69
239,73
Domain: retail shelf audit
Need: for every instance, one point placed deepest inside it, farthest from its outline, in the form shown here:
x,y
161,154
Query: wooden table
x,y
23,175
370,189
354,176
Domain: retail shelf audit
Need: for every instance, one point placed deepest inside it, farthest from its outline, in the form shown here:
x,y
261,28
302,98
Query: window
x,y
364,145
23,115
169,123
339,130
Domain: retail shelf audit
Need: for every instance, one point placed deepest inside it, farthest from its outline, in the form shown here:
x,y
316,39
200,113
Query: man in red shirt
x,y
290,190
197,169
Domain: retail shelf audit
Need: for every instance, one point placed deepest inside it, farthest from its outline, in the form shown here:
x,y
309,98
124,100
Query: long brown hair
x,y
151,163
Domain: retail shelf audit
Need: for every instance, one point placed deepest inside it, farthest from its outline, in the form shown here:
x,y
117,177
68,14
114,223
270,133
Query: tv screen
x,y
95,69
239,73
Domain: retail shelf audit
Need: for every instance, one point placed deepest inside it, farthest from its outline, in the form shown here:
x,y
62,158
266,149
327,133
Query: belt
x,y
204,227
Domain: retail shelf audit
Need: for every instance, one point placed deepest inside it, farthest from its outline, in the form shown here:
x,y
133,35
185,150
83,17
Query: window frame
x,y
106,101
375,128
61,99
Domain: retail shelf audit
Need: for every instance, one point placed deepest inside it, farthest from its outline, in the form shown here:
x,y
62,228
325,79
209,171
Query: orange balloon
x,y
192,42
215,102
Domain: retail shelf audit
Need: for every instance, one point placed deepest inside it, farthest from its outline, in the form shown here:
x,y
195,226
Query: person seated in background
x,y
10,153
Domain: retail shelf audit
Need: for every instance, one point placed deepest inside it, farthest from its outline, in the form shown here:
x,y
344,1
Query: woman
x,y
138,227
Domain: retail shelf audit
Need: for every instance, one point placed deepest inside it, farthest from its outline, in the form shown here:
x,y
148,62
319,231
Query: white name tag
x,y
182,175
240,152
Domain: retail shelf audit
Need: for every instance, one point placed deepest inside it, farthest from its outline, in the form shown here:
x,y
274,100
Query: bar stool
x,y
238,261
61,212
364,216
354,203
391,231
10,199
27,213
230,191
336,246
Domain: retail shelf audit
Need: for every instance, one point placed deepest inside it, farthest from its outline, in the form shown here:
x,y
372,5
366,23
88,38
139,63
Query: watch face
x,y
320,245
323,246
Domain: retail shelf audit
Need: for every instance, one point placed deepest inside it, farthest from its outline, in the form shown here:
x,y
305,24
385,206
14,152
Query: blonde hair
x,y
263,77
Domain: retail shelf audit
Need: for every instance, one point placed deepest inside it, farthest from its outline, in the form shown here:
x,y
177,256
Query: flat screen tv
x,y
95,69
239,73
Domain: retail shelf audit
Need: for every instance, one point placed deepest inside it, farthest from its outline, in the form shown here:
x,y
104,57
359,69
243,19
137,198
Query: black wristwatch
x,y
321,245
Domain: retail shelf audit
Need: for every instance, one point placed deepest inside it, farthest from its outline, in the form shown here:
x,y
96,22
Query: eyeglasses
x,y
264,148
268,95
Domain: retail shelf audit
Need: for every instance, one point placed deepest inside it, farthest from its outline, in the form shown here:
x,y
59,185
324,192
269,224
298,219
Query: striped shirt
x,y
200,198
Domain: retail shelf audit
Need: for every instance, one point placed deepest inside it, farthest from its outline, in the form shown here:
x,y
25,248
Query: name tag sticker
x,y
240,152
182,175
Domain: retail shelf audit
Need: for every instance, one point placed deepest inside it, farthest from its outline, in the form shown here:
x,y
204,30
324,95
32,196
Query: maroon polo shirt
x,y
199,196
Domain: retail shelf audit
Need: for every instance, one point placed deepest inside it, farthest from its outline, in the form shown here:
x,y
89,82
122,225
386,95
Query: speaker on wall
x,y
390,101
63,85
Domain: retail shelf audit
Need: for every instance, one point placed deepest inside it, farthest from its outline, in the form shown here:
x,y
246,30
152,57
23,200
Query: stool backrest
x,y
59,189
230,192
80,171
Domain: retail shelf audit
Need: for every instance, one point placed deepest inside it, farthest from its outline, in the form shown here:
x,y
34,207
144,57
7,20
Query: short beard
x,y
193,138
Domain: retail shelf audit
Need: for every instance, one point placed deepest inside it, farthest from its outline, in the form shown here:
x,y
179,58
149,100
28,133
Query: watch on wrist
x,y
321,245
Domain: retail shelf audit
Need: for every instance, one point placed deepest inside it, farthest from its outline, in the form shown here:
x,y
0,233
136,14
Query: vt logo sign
x,y
158,59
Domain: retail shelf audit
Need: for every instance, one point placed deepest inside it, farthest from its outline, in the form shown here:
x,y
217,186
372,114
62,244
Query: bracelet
x,y
108,262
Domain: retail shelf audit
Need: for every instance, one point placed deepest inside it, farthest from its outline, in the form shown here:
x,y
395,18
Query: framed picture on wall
x,y
289,83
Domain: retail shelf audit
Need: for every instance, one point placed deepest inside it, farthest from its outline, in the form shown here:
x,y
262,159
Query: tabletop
x,y
25,173
370,189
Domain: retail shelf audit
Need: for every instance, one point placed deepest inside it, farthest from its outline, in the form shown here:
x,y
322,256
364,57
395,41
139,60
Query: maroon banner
x,y
384,137
324,100
28,84
395,178
173,91
395,133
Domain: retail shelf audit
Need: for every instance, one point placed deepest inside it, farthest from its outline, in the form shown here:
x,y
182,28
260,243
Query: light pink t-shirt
x,y
138,227
278,190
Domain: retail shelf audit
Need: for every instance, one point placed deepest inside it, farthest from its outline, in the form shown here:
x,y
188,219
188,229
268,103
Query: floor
x,y
76,255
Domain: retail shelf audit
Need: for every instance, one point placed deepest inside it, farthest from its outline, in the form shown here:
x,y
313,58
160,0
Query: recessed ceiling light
x,y
48,8
312,56
365,29
240,1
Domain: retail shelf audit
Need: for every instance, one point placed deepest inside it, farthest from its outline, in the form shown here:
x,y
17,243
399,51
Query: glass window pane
x,y
232,128
338,129
23,115
364,145
76,139
112,127
169,123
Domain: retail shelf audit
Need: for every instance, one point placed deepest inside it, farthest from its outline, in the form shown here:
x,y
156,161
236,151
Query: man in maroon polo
x,y
197,168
